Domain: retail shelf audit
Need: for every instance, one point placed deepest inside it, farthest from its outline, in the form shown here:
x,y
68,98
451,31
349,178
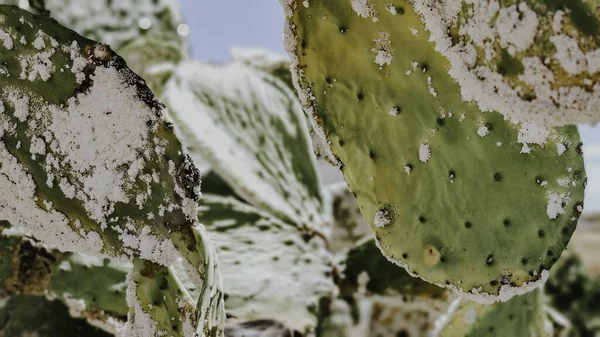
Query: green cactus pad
x,y
533,61
81,117
523,315
88,162
103,290
164,307
26,316
461,198
270,269
30,270
250,128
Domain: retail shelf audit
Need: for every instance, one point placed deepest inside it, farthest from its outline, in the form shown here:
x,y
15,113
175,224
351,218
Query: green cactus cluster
x,y
450,202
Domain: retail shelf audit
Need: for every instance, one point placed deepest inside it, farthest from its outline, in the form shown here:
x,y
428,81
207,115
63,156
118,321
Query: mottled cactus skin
x,y
534,61
460,210
523,315
27,315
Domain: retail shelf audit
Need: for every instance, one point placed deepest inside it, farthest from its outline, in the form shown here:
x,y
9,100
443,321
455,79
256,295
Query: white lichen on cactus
x,y
531,61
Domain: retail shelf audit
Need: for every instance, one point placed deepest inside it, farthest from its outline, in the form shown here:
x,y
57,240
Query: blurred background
x,y
216,26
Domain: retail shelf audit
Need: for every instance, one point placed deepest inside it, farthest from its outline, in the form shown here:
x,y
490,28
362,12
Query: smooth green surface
x,y
472,215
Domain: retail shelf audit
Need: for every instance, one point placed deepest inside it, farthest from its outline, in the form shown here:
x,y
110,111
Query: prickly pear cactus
x,y
236,114
88,163
27,315
271,270
533,61
523,315
446,188
31,270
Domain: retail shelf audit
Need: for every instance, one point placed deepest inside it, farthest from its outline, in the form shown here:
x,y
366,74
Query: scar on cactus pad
x,y
486,206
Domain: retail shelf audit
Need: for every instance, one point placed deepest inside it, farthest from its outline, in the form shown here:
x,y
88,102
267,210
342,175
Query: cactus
x,y
271,270
445,187
533,61
98,187
235,113
70,100
521,316
27,315
384,300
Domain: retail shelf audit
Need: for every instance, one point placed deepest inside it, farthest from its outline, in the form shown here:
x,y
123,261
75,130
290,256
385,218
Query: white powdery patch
x,y
424,152
79,62
414,31
76,306
6,39
560,148
506,291
382,218
556,204
151,247
491,91
394,111
532,134
593,61
385,54
97,119
568,54
482,130
39,43
516,28
20,103
364,9
431,88
392,9
557,21
407,169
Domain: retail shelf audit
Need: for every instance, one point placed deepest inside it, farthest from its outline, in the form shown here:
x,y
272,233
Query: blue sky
x,y
216,25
